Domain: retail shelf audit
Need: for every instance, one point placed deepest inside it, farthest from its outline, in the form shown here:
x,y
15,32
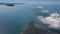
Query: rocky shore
x,y
32,29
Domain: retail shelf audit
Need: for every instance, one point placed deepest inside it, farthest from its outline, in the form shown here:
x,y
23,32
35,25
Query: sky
x,y
26,0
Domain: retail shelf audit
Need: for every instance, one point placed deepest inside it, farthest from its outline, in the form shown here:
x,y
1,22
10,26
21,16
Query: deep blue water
x,y
13,19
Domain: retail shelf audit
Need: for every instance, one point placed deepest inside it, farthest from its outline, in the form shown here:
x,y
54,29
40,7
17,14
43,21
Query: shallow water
x,y
13,19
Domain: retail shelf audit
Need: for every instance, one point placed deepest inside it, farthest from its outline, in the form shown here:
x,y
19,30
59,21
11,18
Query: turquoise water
x,y
14,19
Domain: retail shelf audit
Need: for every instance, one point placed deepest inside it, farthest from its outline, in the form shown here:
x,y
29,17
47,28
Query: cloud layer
x,y
53,20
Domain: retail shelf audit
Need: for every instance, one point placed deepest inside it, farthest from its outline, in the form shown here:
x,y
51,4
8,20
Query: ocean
x,y
14,19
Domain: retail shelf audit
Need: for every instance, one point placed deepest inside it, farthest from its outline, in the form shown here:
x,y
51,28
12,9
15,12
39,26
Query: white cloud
x,y
54,15
40,7
45,11
53,20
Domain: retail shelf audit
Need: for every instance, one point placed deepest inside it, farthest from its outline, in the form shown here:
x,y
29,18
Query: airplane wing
x,y
20,3
12,3
2,3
